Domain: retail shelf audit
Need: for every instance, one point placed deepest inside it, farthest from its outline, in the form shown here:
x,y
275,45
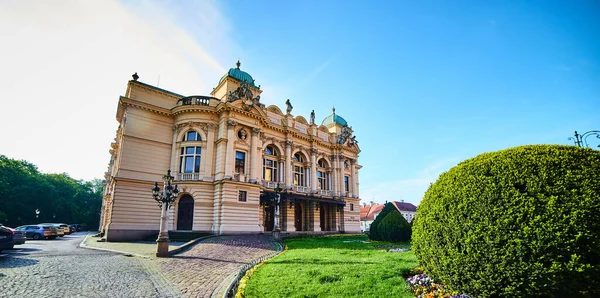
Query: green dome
x,y
239,75
333,118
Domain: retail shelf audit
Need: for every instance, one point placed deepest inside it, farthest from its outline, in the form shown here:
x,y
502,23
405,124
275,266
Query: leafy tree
x,y
58,197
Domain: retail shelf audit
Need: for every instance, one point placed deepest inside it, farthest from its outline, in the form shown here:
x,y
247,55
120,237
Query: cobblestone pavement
x,y
58,268
54,269
199,271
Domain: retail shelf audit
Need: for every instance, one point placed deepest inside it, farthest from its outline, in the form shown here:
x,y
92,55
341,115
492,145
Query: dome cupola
x,y
239,75
334,119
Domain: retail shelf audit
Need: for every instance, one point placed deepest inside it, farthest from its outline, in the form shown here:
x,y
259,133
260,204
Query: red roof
x,y
368,212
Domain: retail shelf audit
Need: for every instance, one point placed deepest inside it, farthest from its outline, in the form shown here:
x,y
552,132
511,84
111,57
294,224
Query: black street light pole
x,y
165,200
276,228
581,140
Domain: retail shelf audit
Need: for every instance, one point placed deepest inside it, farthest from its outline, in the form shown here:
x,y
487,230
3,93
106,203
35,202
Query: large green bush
x,y
394,228
373,231
521,222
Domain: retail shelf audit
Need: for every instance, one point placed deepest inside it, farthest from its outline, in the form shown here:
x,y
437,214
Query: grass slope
x,y
338,266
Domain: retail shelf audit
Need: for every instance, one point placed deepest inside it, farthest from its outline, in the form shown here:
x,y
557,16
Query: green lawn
x,y
333,266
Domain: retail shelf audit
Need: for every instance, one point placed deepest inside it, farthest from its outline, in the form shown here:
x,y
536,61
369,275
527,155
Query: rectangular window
x,y
346,184
351,207
189,164
298,176
242,196
240,161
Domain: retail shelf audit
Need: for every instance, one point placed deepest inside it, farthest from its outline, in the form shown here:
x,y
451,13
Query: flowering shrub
x,y
425,287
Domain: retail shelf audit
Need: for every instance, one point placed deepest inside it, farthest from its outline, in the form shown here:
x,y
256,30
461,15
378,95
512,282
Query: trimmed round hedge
x,y
521,222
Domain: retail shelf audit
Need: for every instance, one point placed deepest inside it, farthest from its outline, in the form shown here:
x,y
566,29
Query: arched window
x,y
322,175
270,165
192,135
190,154
299,170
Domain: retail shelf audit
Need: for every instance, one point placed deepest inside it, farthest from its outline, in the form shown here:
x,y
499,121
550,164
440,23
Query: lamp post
x,y
581,140
37,213
165,200
276,229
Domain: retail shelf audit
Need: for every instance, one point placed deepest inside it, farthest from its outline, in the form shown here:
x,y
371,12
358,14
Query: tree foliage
x,y
373,231
58,197
394,228
521,222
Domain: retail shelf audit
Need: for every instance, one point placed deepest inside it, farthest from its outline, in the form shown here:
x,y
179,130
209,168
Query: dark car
x,y
19,236
7,239
37,232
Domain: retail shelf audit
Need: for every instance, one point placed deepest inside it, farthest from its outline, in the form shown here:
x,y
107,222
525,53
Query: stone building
x,y
228,152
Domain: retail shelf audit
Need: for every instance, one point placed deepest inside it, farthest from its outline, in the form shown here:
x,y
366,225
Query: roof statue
x,y
245,94
344,135
312,117
135,76
289,106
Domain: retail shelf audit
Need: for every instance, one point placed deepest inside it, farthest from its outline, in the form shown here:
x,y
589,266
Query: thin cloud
x,y
65,63
409,190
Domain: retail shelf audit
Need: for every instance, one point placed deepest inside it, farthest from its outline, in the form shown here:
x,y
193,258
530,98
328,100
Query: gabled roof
x,y
368,212
402,206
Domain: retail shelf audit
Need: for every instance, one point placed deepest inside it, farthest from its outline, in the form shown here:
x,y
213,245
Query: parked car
x,y
37,232
59,231
19,236
7,239
72,229
62,229
79,227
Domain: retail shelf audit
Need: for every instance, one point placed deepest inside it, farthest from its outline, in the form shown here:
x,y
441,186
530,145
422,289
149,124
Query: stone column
x,y
173,163
207,158
353,178
313,171
254,155
334,189
288,164
229,154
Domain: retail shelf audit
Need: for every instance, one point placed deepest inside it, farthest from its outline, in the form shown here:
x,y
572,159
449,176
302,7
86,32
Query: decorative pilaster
x,y
313,170
254,154
288,164
230,155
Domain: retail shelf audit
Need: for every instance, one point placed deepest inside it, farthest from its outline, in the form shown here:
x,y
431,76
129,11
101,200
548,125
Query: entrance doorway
x,y
269,218
185,213
298,216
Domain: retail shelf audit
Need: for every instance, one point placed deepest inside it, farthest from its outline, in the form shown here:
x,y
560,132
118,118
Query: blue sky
x,y
424,84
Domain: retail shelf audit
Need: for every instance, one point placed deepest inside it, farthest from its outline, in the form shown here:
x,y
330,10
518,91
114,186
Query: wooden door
x,y
185,213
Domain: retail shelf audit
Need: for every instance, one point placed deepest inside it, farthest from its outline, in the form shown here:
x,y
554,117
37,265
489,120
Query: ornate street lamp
x,y
165,200
37,213
276,229
581,140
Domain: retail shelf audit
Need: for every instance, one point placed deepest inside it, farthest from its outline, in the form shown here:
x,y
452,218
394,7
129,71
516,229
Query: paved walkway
x,y
201,270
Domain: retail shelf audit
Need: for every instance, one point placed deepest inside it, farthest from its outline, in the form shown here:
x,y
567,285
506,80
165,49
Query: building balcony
x,y
302,189
324,192
188,176
197,100
270,184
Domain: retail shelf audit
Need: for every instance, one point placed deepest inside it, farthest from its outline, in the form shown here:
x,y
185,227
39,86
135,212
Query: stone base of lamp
x,y
162,248
276,235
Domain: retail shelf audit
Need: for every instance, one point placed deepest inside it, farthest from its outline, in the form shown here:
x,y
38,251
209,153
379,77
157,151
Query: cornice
x,y
193,108
128,102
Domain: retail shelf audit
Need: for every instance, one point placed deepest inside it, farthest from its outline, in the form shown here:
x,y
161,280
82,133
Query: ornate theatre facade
x,y
229,154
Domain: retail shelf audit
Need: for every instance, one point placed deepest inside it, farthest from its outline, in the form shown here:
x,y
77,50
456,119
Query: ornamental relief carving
x,y
255,131
231,123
